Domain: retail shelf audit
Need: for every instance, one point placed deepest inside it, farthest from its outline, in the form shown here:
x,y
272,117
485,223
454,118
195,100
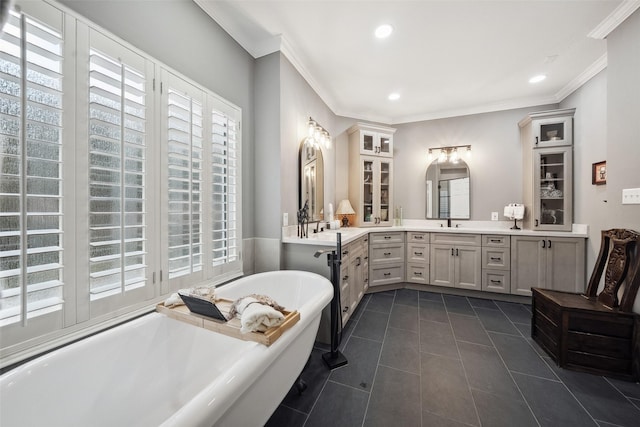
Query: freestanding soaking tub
x,y
159,371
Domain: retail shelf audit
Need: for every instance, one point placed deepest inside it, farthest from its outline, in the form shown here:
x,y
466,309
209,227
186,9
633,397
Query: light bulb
x,y
454,156
443,156
468,152
430,155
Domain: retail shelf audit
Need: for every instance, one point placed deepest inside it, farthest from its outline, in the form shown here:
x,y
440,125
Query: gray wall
x,y
590,146
623,121
495,166
181,35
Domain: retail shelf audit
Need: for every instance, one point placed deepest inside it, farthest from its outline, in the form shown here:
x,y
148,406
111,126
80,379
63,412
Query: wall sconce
x,y
317,135
450,154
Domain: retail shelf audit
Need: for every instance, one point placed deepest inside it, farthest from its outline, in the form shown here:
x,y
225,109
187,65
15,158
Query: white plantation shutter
x,y
184,151
117,148
224,189
31,136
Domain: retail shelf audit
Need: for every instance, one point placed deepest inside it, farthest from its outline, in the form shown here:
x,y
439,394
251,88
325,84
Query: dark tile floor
x,y
426,359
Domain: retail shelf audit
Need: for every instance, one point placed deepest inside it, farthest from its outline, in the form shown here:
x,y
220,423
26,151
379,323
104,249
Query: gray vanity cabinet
x,y
547,262
496,263
456,260
386,258
353,275
417,267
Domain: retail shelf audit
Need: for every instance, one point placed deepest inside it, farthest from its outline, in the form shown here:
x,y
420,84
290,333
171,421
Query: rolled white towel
x,y
256,316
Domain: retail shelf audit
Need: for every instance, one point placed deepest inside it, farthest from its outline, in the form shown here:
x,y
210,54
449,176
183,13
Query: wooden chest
x,y
582,335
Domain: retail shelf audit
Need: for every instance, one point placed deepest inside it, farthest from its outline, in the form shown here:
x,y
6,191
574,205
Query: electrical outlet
x,y
631,196
285,219
494,216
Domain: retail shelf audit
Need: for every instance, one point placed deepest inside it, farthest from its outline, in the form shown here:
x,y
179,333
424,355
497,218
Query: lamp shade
x,y
344,208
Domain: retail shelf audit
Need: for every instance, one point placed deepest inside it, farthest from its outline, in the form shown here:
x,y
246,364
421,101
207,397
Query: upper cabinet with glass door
x,y
552,128
374,140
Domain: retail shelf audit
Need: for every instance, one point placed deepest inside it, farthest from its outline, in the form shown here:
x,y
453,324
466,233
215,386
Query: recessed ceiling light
x,y
383,31
537,79
394,96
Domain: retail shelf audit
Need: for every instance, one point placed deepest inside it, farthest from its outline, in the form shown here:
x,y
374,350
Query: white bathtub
x,y
158,371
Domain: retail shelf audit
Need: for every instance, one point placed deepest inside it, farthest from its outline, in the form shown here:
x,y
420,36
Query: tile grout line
x,y
373,381
466,377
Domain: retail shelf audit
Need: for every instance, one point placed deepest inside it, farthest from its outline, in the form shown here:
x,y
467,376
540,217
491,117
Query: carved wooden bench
x,y
591,332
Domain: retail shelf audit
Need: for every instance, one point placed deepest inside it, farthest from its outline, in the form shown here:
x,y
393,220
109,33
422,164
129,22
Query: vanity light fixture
x,y
317,135
449,154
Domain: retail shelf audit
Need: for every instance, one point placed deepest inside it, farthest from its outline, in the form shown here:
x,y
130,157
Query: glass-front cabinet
x,y
552,188
553,131
375,140
547,154
376,192
371,175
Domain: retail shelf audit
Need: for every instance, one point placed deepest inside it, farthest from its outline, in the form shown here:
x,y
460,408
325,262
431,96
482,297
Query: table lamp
x,y
344,209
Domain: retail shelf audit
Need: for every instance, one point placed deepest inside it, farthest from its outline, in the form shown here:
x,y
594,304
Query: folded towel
x,y
257,313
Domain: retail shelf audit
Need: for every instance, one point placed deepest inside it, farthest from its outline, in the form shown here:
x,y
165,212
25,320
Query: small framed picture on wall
x,y
599,173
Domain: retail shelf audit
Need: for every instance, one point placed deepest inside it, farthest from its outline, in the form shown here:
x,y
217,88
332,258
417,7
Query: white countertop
x,y
348,234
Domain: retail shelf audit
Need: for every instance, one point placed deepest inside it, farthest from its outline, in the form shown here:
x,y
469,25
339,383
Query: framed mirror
x,y
447,188
311,179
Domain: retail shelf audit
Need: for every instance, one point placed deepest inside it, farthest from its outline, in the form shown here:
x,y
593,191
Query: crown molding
x,y
615,18
599,65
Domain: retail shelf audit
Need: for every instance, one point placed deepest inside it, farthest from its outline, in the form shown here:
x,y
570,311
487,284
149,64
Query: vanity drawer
x,y
391,237
496,241
417,237
496,258
456,239
417,273
386,274
496,281
387,253
418,252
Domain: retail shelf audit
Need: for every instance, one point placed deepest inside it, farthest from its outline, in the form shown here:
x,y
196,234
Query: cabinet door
x,y
468,267
385,145
553,189
368,142
565,269
369,183
527,264
385,200
553,131
442,265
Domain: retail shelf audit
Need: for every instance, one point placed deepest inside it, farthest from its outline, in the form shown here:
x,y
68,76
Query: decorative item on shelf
x,y
303,220
599,173
450,154
345,209
514,211
317,135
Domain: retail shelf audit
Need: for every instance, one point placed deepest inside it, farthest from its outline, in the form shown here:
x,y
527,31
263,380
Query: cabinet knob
x,y
417,273
536,223
495,281
387,237
536,140
419,236
495,240
456,251
496,259
345,309
544,244
387,253
549,244
345,277
451,251
417,253
387,274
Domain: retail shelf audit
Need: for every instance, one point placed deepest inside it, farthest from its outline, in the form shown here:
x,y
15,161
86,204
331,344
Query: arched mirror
x,y
447,190
311,182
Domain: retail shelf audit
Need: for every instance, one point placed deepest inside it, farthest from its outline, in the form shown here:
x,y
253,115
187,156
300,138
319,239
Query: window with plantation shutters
x,y
224,166
184,151
31,136
119,181
117,155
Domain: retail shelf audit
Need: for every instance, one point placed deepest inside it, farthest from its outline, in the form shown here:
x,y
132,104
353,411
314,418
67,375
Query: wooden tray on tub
x,y
230,327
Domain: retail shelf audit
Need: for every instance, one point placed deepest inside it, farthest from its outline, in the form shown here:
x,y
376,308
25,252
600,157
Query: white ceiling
x,y
445,57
